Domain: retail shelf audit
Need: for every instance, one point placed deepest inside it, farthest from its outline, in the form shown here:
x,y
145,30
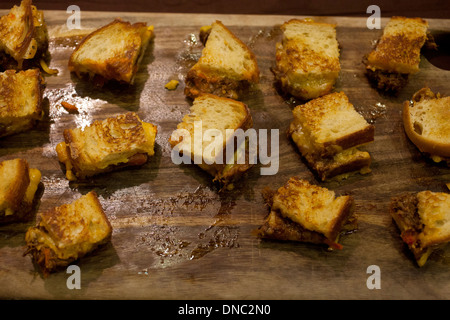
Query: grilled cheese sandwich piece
x,y
227,67
67,233
307,58
327,132
301,211
18,190
112,52
397,53
223,116
106,145
423,219
20,100
23,37
426,121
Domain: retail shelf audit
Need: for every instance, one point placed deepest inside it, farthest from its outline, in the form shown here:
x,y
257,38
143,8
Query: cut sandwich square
x,y
301,211
112,52
18,190
397,53
106,145
423,219
426,119
227,67
222,117
23,37
67,233
327,132
307,58
20,100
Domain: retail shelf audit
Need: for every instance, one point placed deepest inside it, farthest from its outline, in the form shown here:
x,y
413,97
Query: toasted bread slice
x,y
223,116
424,221
20,100
307,58
397,53
67,233
112,52
106,146
18,190
426,121
301,211
327,131
227,67
23,37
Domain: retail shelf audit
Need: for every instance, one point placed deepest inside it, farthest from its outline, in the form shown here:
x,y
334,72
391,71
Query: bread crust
x,y
17,190
133,149
15,196
278,227
10,120
54,227
119,68
301,71
424,144
419,233
34,42
201,81
218,170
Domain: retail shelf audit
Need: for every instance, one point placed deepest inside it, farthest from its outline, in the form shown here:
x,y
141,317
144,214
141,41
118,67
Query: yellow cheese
x,y
35,178
61,150
171,85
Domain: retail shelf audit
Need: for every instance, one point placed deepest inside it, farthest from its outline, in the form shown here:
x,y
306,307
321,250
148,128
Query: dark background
x,y
408,8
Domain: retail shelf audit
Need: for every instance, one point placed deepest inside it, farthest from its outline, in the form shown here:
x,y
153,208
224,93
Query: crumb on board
x,y
69,107
172,85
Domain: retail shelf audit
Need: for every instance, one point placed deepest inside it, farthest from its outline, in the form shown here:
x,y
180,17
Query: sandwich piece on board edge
x,y
426,119
67,233
304,212
328,132
396,55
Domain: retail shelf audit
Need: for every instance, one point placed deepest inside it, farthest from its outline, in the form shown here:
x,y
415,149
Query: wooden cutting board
x,y
175,236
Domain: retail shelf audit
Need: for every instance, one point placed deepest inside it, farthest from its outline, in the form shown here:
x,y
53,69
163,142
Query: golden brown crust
x,y
276,226
123,138
67,233
17,190
122,67
23,38
398,50
13,91
327,168
252,77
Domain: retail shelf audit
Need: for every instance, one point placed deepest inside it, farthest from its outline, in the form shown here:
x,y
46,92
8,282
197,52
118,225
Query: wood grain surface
x,y
174,235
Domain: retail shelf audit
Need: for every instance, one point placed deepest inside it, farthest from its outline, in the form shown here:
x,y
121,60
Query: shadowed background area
x,y
426,9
